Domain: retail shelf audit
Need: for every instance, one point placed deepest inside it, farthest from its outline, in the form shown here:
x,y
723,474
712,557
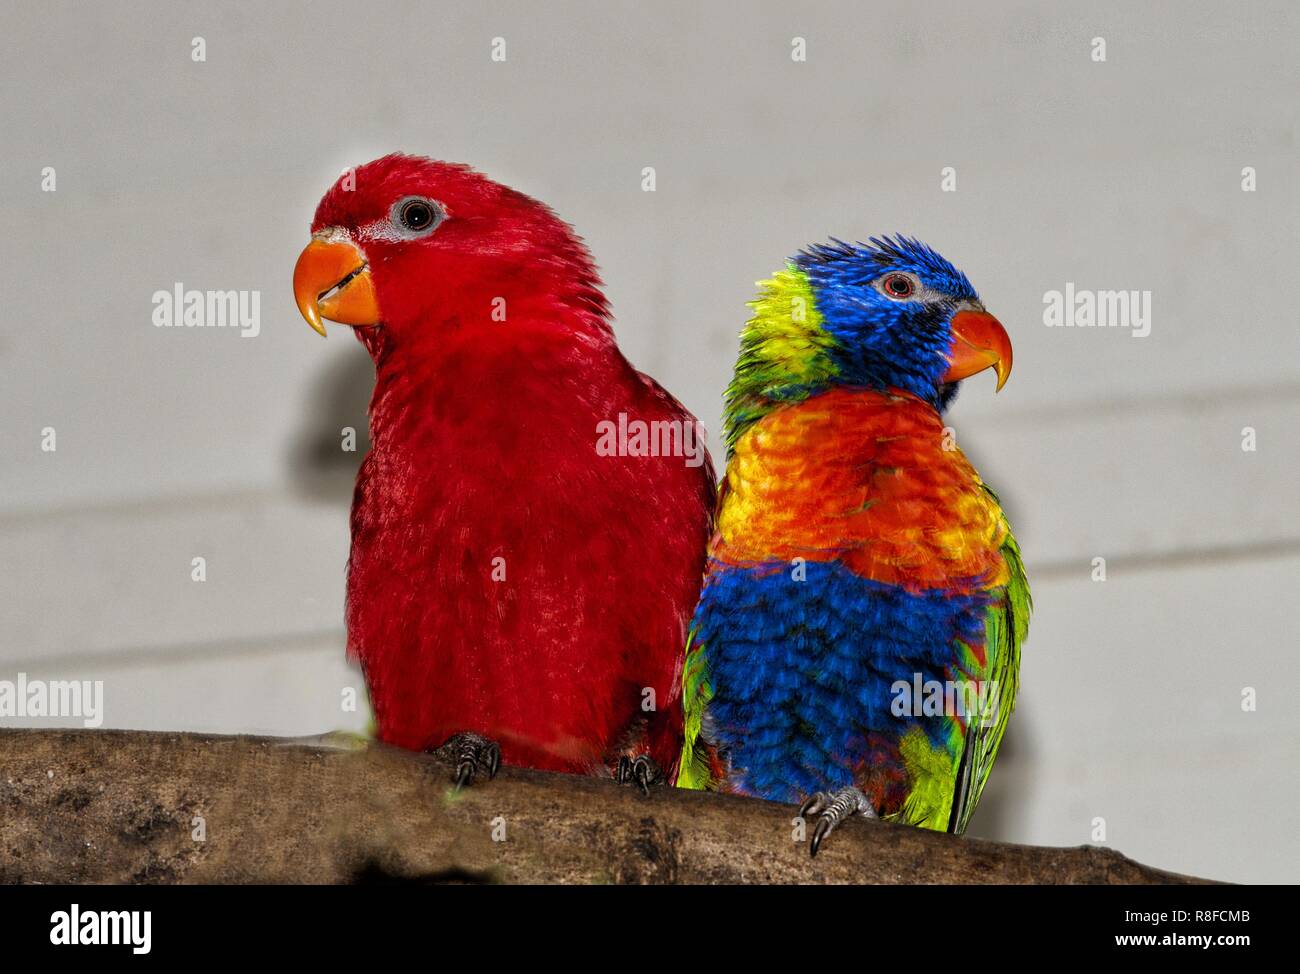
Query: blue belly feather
x,y
802,671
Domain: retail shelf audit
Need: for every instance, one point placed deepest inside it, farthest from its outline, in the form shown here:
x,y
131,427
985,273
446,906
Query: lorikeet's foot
x,y
834,808
472,753
642,769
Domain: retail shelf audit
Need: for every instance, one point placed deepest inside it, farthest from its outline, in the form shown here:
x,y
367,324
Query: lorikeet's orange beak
x,y
332,280
979,342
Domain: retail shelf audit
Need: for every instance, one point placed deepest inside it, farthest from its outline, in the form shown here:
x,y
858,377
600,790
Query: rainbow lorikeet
x,y
857,642
514,592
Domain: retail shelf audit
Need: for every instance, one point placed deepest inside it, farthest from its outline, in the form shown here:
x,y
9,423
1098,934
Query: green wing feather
x,y
1006,625
695,771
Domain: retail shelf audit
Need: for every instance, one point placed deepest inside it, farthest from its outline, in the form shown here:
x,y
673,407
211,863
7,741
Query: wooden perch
x,y
80,806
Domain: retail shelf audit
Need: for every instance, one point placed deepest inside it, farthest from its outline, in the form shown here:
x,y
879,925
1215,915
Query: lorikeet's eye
x,y
416,216
898,286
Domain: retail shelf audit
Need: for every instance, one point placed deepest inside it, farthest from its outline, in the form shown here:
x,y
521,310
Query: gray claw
x,y
814,804
834,808
824,828
642,769
473,752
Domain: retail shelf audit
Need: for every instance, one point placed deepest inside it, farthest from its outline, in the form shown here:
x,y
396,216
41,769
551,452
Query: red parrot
x,y
514,591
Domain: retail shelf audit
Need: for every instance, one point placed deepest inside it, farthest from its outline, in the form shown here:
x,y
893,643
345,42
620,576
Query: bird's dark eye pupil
x,y
899,285
416,216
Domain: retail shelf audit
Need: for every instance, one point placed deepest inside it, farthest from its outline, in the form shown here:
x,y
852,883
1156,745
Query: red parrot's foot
x,y
471,752
834,808
642,769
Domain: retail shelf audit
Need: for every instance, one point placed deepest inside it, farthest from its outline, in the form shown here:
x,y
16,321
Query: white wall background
x,y
176,443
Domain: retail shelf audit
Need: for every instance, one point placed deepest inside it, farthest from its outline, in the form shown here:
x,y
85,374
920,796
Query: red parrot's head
x,y
410,247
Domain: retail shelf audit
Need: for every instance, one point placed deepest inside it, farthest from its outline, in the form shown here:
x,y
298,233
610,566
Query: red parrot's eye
x,y
899,286
415,216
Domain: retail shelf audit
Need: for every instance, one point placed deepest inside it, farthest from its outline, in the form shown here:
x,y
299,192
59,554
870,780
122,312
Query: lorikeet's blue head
x,y
891,313
902,315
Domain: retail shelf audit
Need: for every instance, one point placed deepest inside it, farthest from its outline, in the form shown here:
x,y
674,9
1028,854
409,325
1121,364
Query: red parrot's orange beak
x,y
332,280
979,342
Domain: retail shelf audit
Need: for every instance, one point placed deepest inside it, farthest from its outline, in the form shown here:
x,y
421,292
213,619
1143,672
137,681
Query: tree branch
x,y
126,806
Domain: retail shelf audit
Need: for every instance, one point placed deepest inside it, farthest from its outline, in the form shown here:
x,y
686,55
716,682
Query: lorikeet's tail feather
x,y
955,823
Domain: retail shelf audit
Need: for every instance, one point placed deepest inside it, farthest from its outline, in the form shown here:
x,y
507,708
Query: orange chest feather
x,y
869,479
